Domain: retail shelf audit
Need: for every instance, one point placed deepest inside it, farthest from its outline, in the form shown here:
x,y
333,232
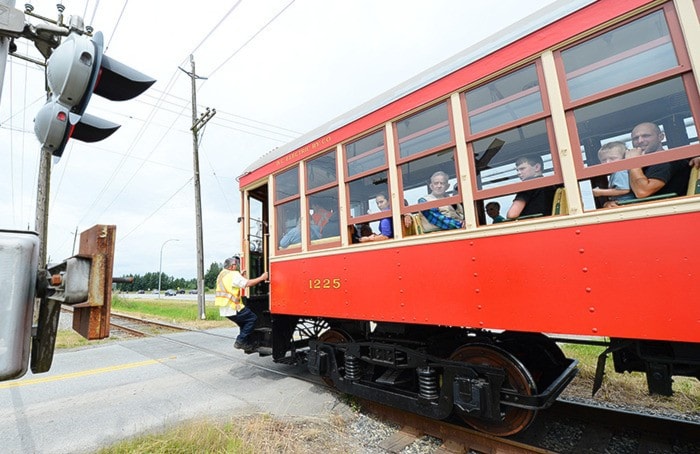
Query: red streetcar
x,y
390,280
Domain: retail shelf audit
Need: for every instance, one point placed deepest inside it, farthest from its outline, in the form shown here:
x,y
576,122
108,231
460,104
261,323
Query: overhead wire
x,y
187,102
151,115
156,210
121,14
216,177
162,99
250,39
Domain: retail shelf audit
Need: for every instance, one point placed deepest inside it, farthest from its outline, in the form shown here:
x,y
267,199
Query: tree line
x,y
149,281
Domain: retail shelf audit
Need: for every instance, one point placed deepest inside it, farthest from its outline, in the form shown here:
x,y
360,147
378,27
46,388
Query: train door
x,y
255,250
255,245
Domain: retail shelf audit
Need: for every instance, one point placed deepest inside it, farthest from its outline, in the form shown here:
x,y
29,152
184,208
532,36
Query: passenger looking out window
x,y
386,230
664,178
533,201
619,183
445,217
293,235
325,220
493,209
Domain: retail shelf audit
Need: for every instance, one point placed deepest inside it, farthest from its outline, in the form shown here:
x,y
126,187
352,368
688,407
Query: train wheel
x,y
540,355
311,328
333,336
513,419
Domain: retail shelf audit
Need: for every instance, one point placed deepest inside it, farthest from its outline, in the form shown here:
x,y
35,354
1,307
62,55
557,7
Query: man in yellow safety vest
x,y
229,286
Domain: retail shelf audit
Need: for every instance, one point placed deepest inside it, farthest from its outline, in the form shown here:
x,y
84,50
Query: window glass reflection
x,y
503,100
287,184
424,130
366,153
638,49
321,171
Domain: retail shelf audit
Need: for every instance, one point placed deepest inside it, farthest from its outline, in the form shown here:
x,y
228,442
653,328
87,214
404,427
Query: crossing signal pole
x,y
197,125
75,70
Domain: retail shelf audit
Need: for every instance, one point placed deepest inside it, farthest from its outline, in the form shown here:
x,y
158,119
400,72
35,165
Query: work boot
x,y
250,348
239,345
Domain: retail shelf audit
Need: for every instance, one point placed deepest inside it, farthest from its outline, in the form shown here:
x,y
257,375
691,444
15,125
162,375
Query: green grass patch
x,y
67,338
587,356
188,438
175,311
256,434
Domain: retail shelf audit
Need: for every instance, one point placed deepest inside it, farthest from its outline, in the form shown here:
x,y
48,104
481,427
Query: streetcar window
x,y
287,209
664,104
631,52
363,191
415,175
321,171
423,131
287,184
494,156
365,154
504,100
323,215
288,224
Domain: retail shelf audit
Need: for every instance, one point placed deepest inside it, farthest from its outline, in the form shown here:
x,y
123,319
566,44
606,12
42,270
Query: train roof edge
x,y
502,38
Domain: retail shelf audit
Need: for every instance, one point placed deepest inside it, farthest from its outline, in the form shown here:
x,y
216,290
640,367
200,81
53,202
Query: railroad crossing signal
x,y
75,70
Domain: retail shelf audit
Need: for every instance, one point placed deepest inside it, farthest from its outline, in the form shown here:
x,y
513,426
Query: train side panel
x,y
631,279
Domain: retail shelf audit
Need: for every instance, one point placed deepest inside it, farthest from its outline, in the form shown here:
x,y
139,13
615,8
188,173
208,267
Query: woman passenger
x,y
386,230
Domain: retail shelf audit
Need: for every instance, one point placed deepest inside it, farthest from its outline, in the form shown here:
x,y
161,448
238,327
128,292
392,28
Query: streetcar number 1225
x,y
324,283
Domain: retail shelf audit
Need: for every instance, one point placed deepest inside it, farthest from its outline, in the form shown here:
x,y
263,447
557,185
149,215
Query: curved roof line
x,y
499,40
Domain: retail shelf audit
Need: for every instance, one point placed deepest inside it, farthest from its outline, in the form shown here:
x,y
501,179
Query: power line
x,y
216,26
250,39
223,112
158,106
114,30
156,210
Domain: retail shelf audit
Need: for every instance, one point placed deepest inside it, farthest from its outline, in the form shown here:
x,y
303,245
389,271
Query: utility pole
x,y
197,124
41,222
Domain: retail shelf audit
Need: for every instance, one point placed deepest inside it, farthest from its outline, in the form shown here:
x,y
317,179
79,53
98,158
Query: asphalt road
x,y
95,396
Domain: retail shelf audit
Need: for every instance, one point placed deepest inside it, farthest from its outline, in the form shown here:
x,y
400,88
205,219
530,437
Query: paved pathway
x,y
95,396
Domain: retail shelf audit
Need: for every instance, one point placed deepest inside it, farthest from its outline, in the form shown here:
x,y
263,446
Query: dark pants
x,y
245,320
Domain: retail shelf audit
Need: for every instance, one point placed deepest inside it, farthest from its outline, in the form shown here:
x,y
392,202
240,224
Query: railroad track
x,y
567,427
140,327
135,326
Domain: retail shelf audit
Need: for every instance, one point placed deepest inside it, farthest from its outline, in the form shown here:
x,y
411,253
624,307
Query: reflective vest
x,y
227,294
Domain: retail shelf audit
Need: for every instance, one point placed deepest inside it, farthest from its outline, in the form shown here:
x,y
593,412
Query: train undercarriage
x,y
495,383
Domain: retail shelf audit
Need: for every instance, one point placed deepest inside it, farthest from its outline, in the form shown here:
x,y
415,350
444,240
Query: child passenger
x,y
619,182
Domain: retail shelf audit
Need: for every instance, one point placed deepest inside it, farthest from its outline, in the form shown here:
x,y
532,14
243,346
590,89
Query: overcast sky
x,y
275,69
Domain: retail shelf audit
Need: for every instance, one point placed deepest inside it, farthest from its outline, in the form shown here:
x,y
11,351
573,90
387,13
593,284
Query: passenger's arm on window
x,y
516,208
643,186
